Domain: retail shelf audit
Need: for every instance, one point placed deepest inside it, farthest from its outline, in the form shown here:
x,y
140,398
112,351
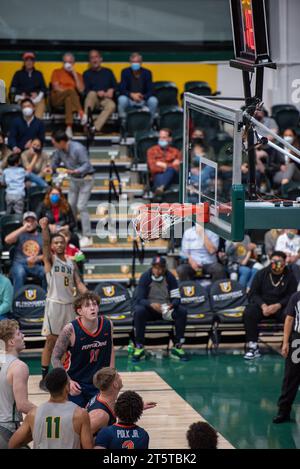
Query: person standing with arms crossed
x,y
62,279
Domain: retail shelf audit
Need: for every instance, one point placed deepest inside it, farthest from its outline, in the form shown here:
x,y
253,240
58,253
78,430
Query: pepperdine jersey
x,y
90,352
96,403
119,436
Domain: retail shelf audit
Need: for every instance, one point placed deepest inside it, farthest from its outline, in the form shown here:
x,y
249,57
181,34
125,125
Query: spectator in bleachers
x,y
6,296
35,160
67,86
29,83
4,152
163,162
289,171
270,292
27,255
199,151
100,85
157,297
14,177
243,254
199,255
199,137
56,208
289,243
136,88
74,157
26,128
262,116
268,163
270,241
201,435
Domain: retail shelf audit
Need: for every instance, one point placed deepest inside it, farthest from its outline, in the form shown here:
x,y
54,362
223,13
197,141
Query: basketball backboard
x,y
212,170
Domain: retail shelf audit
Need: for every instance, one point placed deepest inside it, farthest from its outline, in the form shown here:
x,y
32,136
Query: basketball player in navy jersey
x,y
101,408
87,345
125,434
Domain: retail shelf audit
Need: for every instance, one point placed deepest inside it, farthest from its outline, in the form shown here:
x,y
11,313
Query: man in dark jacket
x,y
271,290
136,88
26,128
157,298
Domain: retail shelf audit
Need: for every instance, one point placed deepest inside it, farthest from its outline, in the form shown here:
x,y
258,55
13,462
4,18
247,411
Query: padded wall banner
x,y
115,298
227,294
29,306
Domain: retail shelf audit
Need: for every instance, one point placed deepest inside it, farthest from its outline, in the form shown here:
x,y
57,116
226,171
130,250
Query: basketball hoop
x,y
154,220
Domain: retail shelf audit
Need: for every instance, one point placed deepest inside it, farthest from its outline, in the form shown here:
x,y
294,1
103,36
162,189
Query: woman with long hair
x,y
58,211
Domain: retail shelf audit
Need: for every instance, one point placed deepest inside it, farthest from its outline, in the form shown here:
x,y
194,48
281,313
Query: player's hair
x,y
129,407
279,254
8,328
56,381
201,435
169,131
104,378
56,235
84,299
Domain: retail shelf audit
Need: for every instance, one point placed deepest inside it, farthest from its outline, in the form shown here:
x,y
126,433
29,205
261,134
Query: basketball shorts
x,y
88,391
56,316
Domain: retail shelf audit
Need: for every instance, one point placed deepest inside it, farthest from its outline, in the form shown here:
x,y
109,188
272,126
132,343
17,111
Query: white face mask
x,y
289,139
157,279
68,66
27,111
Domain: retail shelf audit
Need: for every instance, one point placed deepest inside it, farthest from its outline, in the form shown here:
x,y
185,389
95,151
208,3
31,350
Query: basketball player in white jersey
x,y
62,279
58,423
13,381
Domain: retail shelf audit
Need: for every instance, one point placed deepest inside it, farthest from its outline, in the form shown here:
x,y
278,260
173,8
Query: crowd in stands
x,y
25,164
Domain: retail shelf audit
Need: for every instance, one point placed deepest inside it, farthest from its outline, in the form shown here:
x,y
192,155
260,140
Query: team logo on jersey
x,y
128,444
189,291
226,287
30,295
109,291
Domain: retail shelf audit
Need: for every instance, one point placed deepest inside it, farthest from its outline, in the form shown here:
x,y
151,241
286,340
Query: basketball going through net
x,y
154,220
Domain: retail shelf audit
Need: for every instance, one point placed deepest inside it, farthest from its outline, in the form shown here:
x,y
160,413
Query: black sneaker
x,y
281,418
252,352
42,386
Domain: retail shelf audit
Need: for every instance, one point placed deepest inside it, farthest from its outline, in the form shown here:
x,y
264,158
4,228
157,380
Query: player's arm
x,y
62,344
46,244
20,375
80,286
23,435
86,437
98,419
112,357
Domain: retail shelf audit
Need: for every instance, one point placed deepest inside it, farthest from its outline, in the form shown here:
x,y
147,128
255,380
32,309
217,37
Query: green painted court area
x,y
238,398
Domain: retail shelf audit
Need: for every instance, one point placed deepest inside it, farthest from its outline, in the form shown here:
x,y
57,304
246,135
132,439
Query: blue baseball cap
x,y
159,260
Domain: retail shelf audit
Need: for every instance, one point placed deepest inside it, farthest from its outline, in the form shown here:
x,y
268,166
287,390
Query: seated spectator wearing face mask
x,y
35,160
56,208
289,171
157,298
136,88
29,83
163,162
262,116
67,85
25,129
270,293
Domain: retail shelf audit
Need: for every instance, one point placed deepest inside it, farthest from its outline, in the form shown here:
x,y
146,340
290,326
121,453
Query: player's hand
x,y
44,223
75,388
149,405
285,350
156,307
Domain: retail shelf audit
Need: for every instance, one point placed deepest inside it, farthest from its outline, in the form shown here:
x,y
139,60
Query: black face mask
x,y
37,150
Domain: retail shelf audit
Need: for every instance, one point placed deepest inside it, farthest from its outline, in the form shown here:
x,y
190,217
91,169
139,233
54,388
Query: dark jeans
x,y
186,272
253,316
167,178
20,270
143,314
291,380
88,391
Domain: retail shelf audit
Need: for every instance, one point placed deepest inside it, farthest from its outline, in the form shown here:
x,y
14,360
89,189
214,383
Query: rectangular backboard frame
x,y
233,227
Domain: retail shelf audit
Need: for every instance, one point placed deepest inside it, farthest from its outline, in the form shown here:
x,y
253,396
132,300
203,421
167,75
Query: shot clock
x,y
250,35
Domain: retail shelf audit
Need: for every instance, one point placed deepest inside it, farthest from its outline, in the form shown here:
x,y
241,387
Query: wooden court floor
x,y
166,424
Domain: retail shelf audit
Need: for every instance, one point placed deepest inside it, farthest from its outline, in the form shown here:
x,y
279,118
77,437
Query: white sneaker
x,y
85,241
84,119
69,132
252,351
